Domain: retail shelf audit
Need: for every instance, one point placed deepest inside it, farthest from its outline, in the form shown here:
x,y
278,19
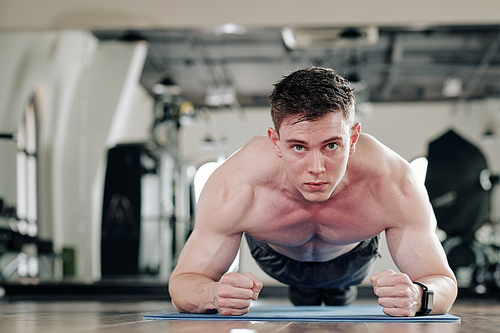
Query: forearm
x,y
445,292
193,293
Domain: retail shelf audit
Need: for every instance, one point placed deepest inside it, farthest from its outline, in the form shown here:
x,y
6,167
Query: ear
x,y
275,140
355,134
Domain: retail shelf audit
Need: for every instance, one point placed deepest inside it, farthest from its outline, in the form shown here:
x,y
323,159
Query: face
x,y
315,153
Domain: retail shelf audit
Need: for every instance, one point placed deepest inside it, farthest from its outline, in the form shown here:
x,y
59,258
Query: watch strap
x,y
427,300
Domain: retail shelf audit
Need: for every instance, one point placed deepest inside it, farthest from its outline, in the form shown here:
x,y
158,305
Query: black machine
x,y
460,186
144,195
121,215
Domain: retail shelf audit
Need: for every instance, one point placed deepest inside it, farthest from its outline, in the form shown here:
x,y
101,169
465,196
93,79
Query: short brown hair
x,y
311,93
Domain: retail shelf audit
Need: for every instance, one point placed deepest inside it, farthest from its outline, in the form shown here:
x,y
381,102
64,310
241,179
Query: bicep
x,y
414,245
215,241
412,241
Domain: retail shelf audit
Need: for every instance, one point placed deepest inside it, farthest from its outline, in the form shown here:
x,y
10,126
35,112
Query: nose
x,y
316,163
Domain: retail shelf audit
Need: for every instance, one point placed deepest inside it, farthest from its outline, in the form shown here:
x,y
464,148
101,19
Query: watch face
x,y
430,299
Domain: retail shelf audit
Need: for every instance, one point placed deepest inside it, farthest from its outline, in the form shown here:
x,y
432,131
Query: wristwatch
x,y
427,299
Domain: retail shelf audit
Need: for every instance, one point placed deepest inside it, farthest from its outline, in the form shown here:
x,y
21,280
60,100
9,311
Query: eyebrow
x,y
334,138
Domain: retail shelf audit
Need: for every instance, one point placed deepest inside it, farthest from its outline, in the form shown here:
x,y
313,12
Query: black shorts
x,y
346,270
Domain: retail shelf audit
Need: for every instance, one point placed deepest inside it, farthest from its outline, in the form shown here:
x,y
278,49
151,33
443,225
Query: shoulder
x,y
253,164
378,160
392,181
229,194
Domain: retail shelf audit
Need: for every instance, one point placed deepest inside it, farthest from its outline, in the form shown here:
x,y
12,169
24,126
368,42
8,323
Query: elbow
x,y
172,295
450,295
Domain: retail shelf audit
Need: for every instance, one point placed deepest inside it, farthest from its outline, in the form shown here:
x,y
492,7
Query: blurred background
x,y
113,114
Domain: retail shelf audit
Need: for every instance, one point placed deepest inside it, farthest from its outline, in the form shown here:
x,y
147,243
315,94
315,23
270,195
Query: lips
x,y
316,185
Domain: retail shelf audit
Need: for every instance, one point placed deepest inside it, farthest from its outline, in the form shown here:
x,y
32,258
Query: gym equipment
x,y
460,186
148,203
20,232
124,190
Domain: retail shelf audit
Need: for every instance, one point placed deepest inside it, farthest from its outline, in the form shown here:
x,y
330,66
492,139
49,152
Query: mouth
x,y
316,185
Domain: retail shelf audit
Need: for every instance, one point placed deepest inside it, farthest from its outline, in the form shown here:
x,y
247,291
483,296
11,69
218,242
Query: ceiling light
x,y
452,87
302,38
220,96
230,29
167,86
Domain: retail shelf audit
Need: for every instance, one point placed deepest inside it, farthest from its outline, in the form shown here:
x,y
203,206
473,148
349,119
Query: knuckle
x,y
406,313
403,293
407,304
227,278
403,278
225,312
228,311
399,279
223,291
222,303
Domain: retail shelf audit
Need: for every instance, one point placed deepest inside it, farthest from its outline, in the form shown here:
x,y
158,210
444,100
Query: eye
x,y
331,146
298,148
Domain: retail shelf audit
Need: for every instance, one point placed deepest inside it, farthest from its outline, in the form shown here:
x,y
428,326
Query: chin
x,y
315,197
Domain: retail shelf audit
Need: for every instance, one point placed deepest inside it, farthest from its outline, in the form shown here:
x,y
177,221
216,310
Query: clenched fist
x,y
399,296
235,292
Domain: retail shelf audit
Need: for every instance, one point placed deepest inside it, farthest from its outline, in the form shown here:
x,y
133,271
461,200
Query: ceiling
x,y
236,66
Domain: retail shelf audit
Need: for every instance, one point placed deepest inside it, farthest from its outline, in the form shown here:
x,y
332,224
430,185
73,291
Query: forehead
x,y
330,124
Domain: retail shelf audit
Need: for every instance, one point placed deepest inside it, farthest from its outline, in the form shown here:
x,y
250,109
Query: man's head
x,y
314,111
310,94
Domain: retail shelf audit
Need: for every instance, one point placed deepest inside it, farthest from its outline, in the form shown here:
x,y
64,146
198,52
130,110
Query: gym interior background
x,y
109,109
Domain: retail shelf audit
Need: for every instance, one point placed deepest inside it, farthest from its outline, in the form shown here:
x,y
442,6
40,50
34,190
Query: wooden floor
x,y
126,316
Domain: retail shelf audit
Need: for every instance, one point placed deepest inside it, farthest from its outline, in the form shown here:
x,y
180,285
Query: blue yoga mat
x,y
349,313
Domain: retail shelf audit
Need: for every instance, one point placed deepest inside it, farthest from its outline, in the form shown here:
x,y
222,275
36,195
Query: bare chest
x,y
315,231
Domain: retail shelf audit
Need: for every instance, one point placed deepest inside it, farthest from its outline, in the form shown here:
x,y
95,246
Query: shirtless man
x,y
312,198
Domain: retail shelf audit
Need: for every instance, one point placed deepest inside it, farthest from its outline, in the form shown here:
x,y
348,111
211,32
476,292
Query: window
x,y
419,166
